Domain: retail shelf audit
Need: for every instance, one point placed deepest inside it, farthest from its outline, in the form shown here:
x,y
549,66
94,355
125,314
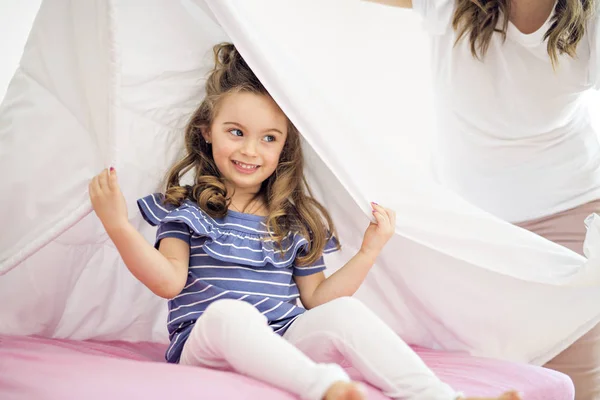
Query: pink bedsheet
x,y
34,368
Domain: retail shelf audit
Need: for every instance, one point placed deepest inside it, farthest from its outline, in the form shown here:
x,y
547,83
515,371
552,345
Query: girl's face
x,y
247,137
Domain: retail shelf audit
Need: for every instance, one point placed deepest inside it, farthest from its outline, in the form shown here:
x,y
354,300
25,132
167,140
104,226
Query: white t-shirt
x,y
514,136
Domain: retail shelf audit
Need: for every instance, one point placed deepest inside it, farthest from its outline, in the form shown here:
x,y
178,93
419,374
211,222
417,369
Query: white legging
x,y
232,334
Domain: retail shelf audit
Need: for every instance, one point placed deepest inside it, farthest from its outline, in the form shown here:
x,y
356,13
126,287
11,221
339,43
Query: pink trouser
x,y
581,361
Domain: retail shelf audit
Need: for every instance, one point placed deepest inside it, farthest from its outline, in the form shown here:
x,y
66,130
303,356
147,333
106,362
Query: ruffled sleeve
x,y
175,230
154,212
319,265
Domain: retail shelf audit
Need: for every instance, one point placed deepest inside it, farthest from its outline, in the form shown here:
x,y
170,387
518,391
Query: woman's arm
x,y
394,3
316,290
164,272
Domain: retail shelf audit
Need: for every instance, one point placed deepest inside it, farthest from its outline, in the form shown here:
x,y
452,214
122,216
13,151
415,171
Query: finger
x,y
91,188
96,185
113,182
380,218
94,189
377,209
103,179
392,216
382,208
389,213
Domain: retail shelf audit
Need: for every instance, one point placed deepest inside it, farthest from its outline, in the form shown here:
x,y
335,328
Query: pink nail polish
x,y
374,203
112,169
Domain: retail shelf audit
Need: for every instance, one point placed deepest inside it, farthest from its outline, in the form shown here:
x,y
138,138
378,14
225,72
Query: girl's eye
x,y
269,138
236,132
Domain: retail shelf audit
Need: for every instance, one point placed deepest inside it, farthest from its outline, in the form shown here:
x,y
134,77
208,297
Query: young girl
x,y
236,249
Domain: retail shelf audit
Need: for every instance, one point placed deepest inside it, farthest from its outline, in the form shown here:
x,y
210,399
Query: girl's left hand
x,y
378,234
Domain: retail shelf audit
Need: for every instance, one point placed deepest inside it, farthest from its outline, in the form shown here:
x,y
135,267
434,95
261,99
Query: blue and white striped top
x,y
230,258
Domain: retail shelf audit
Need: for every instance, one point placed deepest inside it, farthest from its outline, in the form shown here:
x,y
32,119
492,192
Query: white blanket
x,y
111,83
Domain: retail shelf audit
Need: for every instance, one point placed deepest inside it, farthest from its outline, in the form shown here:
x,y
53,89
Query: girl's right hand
x,y
107,200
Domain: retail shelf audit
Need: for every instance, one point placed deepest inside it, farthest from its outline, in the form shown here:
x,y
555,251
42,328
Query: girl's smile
x,y
245,168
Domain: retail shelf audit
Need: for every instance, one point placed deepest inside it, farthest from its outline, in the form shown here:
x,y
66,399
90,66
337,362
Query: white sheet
x,y
112,82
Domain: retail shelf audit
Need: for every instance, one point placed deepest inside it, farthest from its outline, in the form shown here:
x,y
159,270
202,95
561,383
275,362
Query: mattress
x,y
58,369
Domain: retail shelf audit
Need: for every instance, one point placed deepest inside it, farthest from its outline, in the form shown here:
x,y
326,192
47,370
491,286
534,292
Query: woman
x,y
514,135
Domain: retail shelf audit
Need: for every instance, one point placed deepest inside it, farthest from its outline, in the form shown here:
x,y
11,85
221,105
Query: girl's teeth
x,y
245,166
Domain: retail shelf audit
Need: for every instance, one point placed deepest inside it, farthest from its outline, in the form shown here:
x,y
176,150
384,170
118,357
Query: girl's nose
x,y
249,147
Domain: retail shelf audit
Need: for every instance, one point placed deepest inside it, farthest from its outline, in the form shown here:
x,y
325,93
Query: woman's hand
x,y
107,200
378,233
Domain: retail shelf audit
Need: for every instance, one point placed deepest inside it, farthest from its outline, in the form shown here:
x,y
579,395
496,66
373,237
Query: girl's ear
x,y
206,134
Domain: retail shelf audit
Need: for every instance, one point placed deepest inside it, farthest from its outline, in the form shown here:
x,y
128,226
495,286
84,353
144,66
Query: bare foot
x,y
506,396
348,391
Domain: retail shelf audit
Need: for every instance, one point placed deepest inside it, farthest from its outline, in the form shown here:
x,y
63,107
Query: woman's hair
x,y
478,19
286,193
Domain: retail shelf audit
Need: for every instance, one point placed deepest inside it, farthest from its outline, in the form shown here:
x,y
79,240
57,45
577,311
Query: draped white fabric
x,y
108,82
